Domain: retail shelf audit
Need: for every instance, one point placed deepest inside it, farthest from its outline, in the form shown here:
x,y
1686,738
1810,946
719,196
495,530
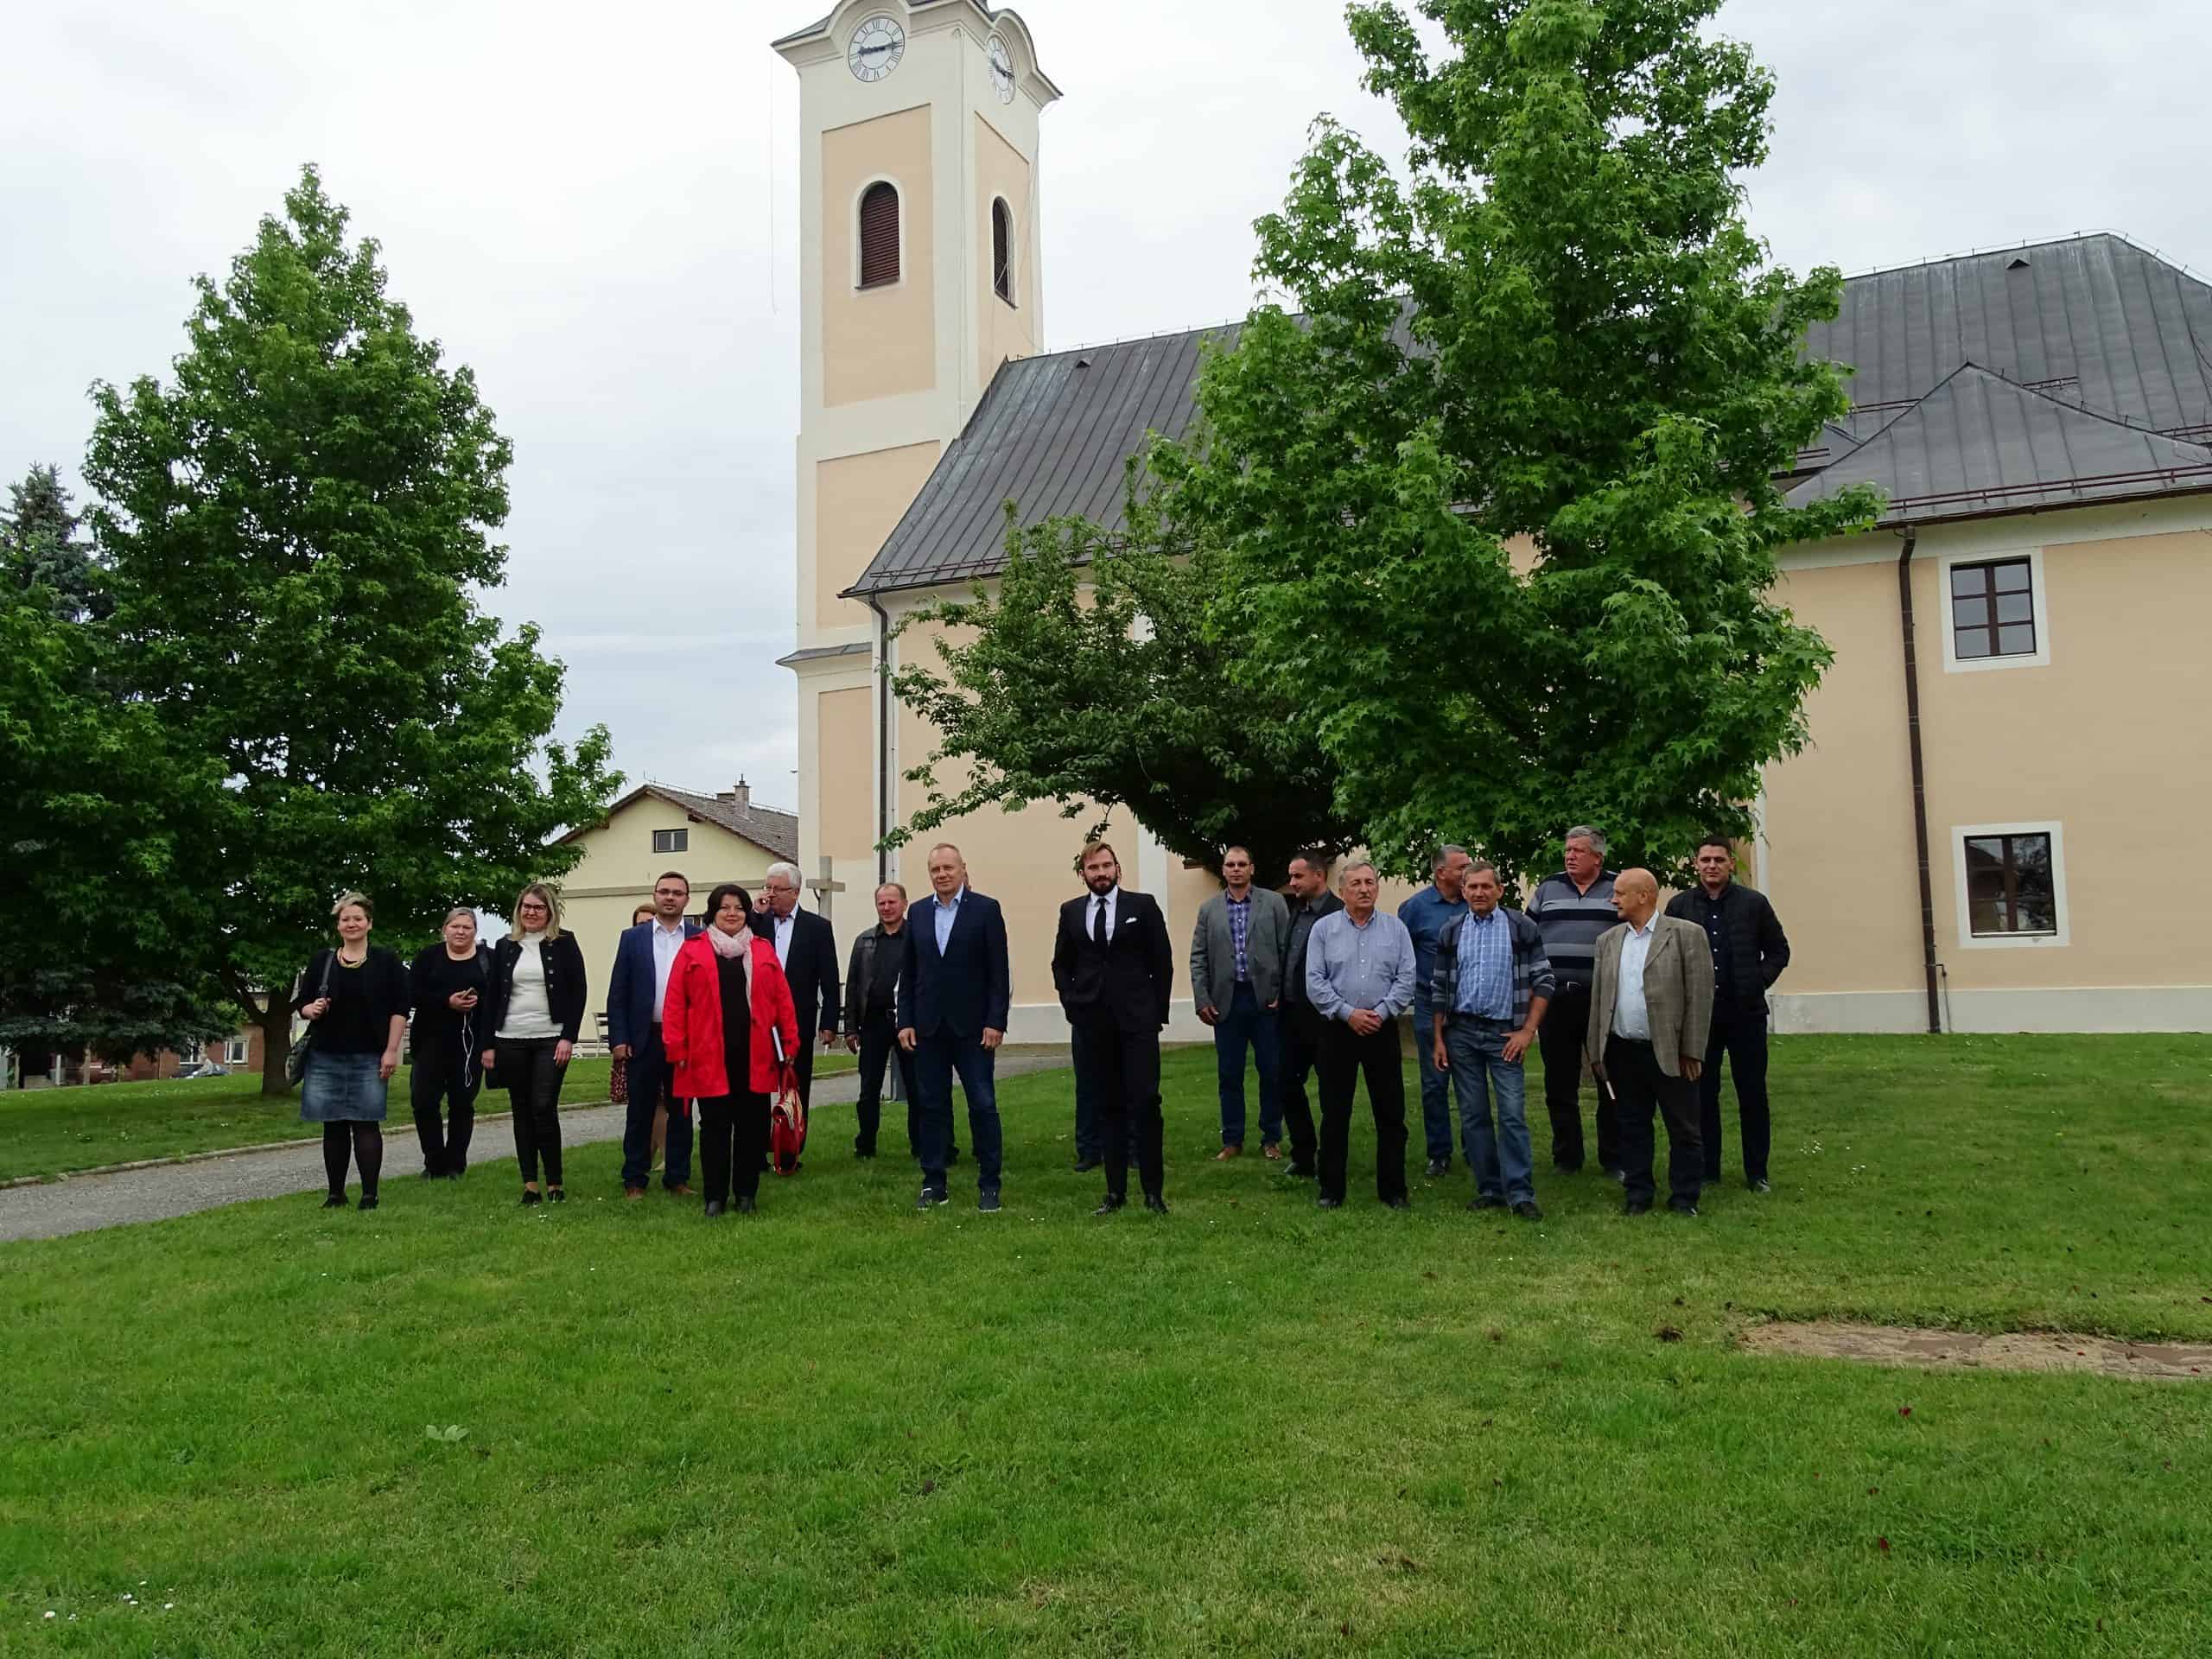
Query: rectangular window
x,y
234,1051
1993,610
2011,888
672,840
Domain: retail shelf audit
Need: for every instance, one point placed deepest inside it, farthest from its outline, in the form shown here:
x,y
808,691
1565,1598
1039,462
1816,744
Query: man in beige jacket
x,y
1650,1006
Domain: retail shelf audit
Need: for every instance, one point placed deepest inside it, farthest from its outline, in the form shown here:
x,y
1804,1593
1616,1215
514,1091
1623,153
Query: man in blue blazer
x,y
642,956
953,1003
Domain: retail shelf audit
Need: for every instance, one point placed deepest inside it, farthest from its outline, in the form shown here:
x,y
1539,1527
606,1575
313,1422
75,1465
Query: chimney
x,y
742,795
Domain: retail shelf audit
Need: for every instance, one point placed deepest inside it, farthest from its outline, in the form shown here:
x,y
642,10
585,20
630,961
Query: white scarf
x,y
738,946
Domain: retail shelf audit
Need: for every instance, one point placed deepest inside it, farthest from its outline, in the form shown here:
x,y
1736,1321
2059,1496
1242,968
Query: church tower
x,y
918,275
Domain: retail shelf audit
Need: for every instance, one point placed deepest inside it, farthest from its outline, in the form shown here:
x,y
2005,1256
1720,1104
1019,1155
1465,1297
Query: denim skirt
x,y
339,1088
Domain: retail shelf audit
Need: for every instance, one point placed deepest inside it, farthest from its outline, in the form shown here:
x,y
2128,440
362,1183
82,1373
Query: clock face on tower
x,y
1001,69
877,44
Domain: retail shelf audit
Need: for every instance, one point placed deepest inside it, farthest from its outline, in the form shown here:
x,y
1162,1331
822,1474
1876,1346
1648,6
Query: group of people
x,y
725,1017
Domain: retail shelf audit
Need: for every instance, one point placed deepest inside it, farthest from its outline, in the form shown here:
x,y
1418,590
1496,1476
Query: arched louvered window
x,y
1002,249
878,234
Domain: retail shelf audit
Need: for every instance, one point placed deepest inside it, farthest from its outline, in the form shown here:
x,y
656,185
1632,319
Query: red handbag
x,y
787,1117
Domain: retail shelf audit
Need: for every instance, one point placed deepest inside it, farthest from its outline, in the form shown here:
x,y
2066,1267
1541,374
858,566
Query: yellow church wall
x,y
881,341
846,722
1006,331
858,501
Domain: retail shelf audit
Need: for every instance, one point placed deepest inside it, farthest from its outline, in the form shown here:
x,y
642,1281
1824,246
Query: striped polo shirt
x,y
1571,922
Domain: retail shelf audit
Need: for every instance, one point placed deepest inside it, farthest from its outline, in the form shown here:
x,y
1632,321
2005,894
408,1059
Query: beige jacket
x,y
1677,989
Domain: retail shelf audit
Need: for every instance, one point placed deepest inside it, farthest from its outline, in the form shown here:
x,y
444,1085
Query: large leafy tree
x,y
295,526
1086,676
1498,507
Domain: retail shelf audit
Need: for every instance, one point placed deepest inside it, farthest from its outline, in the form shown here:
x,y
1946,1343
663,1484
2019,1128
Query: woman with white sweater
x,y
535,1008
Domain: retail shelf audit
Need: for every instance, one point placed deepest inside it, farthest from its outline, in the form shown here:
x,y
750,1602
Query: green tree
x,y
1499,507
1088,678
40,547
295,526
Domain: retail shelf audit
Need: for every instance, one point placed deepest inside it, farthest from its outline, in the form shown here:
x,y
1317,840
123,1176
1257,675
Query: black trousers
x,y
878,1036
733,1145
1739,1032
810,1033
1633,1069
1343,1060
1122,1068
1301,1047
533,1080
442,1091
1560,1040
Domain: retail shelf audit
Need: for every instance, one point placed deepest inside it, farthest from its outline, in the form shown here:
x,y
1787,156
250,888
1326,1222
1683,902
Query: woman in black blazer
x,y
532,1012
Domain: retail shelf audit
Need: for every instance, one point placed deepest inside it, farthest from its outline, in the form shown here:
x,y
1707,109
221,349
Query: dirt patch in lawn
x,y
2012,1350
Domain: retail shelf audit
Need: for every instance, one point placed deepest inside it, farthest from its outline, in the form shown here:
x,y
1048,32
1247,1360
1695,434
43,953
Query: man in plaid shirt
x,y
1491,984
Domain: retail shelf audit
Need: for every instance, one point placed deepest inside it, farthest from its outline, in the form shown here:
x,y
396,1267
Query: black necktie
x,y
1099,922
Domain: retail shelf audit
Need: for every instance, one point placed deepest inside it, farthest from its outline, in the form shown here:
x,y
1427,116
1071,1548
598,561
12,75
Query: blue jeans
x,y
1505,1165
1435,1085
1244,1024
936,1058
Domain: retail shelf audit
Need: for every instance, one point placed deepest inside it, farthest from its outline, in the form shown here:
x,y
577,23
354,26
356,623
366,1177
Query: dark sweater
x,y
363,999
434,977
1749,948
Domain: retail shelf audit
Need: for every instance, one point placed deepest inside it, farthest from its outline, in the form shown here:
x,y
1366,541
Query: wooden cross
x,y
824,886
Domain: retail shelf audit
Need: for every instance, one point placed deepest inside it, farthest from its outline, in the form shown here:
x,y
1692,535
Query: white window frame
x,y
853,218
235,1050
673,847
1970,940
2040,657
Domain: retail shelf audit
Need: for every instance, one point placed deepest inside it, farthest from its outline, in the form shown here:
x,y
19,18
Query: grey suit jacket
x,y
1213,950
1677,990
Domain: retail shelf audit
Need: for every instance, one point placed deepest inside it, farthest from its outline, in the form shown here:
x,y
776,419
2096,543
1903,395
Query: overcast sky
x,y
598,211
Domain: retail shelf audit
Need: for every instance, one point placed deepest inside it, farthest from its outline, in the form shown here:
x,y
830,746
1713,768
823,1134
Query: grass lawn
x,y
843,1428
52,1131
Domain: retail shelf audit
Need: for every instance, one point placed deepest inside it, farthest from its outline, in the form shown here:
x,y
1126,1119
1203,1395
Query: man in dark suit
x,y
1112,966
808,950
953,1005
642,956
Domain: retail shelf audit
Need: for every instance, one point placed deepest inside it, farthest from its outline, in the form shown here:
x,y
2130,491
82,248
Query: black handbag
x,y
295,1063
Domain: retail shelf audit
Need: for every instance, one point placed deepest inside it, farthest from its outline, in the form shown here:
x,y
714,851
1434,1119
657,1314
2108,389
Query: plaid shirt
x,y
1532,969
1485,982
1239,929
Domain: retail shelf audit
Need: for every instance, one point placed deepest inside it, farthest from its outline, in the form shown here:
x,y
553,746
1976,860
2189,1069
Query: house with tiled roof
x,y
720,837
2015,713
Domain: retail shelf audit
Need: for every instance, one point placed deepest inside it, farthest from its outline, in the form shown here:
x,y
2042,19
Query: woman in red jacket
x,y
729,1028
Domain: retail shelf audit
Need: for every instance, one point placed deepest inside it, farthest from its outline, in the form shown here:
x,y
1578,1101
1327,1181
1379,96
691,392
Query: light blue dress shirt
x,y
945,914
1631,1014
1349,967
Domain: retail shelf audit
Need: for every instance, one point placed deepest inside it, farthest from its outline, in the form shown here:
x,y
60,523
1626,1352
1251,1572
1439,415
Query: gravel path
x,y
83,1203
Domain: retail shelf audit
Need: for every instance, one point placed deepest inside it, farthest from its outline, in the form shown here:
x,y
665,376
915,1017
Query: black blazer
x,y
1129,976
1750,935
967,988
811,970
564,985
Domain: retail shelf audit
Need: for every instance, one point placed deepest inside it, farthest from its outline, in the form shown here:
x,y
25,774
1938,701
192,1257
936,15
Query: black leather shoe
x,y
746,1205
1154,1203
336,1201
1760,1185
714,1207
530,1197
556,1195
369,1202
1485,1203
1529,1210
1566,1169
1084,1166
1328,1203
988,1202
1110,1205
1298,1173
1615,1172
1681,1207
863,1152
1438,1167
932,1197
1397,1204
1637,1207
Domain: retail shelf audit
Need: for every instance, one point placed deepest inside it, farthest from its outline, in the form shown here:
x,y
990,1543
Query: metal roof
x,y
1980,444
2049,374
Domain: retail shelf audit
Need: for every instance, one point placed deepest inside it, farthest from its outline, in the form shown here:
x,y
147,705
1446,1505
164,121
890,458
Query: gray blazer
x,y
1213,951
1677,990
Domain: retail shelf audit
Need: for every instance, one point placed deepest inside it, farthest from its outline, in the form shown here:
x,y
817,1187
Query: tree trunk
x,y
275,1019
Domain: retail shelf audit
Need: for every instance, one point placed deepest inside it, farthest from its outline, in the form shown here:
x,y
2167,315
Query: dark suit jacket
x,y
811,969
1129,977
967,988
630,986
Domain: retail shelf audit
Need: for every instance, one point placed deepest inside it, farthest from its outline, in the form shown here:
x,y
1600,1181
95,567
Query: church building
x,y
2017,707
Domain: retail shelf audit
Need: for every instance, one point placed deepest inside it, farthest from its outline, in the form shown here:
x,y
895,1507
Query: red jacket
x,y
691,1021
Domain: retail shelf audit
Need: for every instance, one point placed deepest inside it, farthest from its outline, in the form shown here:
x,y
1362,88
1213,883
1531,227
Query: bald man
x,y
1650,1009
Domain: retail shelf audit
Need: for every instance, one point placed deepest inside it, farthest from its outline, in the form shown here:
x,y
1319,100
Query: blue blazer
x,y
630,988
967,988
